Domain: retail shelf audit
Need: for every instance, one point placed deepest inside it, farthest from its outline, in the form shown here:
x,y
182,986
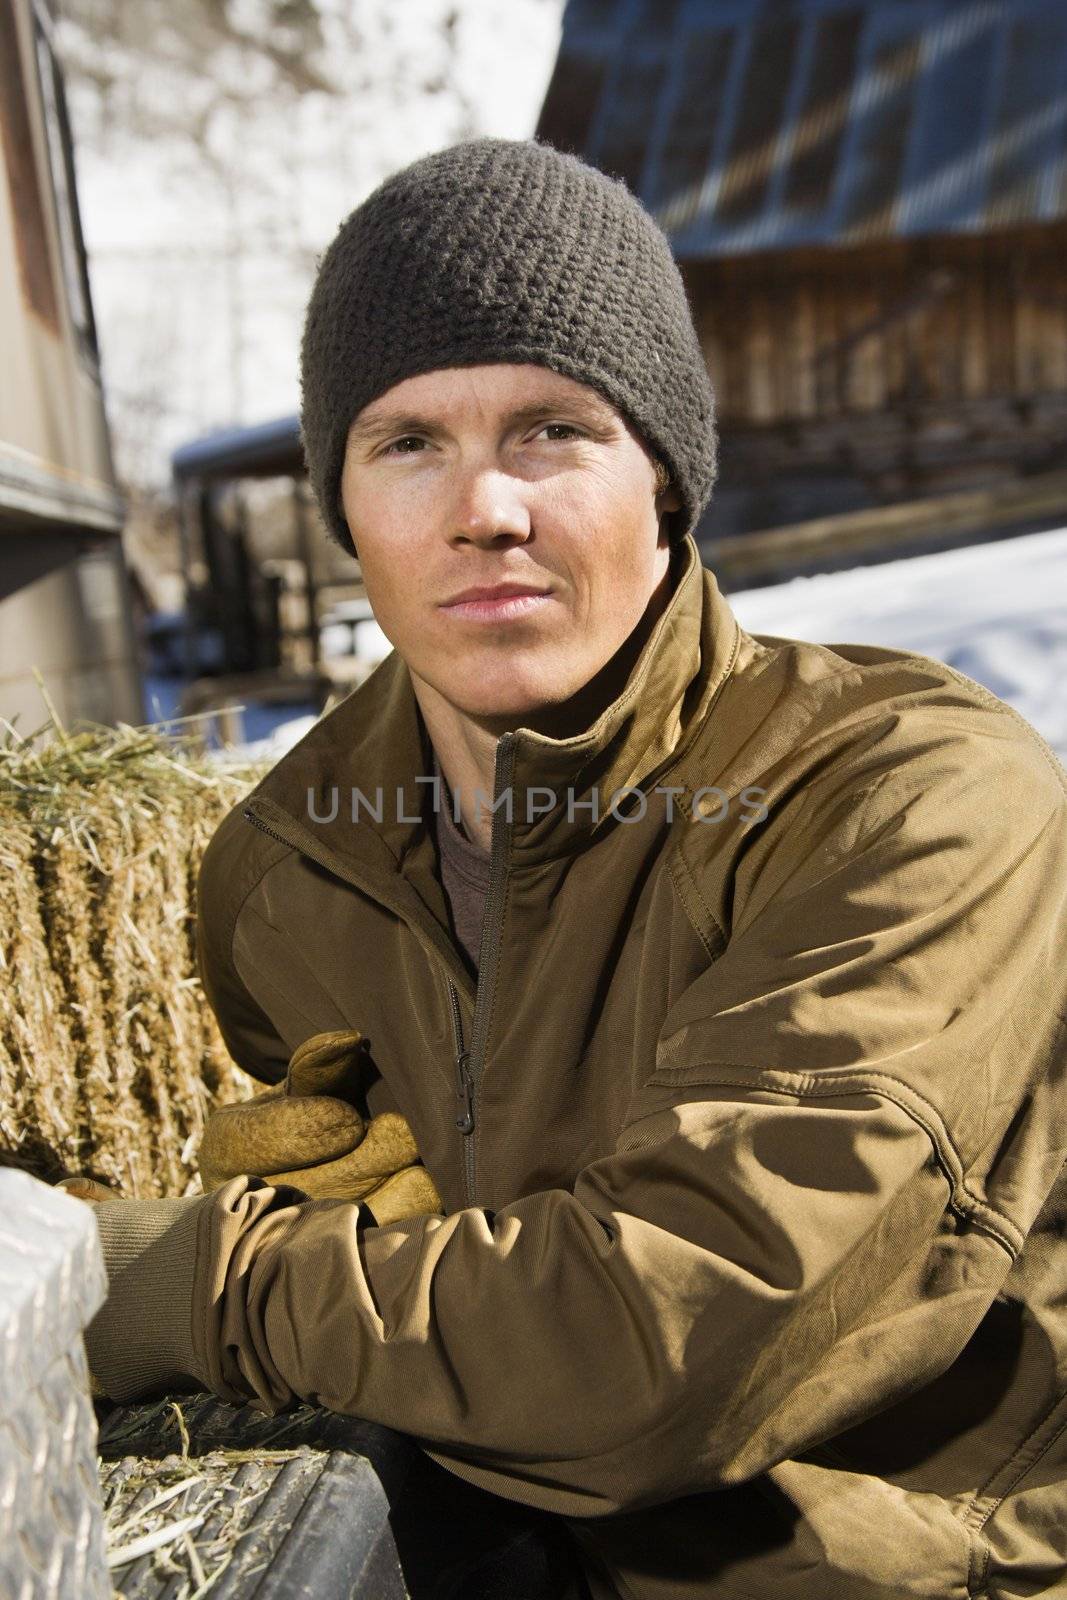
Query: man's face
x,y
480,476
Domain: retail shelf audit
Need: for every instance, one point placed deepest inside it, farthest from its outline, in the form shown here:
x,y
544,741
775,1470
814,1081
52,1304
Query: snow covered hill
x,y
997,612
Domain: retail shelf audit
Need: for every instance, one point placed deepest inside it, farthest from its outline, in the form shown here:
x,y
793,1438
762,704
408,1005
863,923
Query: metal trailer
x,y
65,603
236,599
247,634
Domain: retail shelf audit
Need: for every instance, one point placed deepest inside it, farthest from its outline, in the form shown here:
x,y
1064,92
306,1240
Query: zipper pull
x,y
465,1093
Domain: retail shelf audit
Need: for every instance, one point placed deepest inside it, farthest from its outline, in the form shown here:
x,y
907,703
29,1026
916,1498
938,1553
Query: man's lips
x,y
493,591
496,603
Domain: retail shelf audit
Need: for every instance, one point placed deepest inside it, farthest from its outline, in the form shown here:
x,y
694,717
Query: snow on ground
x,y
996,612
269,749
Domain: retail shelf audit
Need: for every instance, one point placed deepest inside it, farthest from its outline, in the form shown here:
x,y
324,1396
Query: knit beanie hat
x,y
505,250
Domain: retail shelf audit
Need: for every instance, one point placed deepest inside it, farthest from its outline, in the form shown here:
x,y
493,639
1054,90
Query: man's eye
x,y
564,429
399,446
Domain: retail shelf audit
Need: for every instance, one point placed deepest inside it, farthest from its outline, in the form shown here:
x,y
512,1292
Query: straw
x,y
146,1512
110,1058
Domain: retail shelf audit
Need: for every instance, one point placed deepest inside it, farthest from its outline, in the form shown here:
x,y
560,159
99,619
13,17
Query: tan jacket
x,y
754,1262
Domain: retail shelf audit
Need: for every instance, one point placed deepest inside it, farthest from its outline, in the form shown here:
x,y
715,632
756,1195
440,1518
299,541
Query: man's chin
x,y
500,719
504,710
502,696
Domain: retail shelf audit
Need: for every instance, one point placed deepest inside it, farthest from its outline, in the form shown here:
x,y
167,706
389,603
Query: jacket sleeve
x,y
782,1240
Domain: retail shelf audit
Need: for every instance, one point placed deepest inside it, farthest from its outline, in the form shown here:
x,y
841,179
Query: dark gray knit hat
x,y
505,250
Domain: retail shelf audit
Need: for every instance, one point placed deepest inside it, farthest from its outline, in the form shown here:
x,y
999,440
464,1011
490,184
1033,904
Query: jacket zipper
x,y
464,1088
469,1063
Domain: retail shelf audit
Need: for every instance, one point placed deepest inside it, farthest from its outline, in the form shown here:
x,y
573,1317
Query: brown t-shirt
x,y
464,874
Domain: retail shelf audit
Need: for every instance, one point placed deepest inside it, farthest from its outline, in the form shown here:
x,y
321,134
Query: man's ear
x,y
344,519
668,501
667,496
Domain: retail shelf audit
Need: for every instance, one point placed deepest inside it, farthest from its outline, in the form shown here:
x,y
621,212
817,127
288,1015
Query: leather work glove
x,y
307,1132
83,1188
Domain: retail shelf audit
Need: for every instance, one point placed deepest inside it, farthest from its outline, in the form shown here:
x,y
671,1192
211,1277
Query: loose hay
x,y
187,1515
110,1058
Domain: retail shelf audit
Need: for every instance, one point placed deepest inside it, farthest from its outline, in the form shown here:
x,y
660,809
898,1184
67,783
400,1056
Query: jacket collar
x,y
375,744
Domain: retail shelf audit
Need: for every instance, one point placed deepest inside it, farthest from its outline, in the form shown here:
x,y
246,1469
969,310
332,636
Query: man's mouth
x,y
496,602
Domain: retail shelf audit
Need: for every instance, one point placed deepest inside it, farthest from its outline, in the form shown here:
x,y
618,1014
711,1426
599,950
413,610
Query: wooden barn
x,y
868,202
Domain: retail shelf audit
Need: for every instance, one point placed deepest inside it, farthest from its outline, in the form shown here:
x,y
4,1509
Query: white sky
x,y
200,271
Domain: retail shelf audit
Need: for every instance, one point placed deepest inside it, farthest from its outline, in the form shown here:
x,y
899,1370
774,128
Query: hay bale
x,y
110,1058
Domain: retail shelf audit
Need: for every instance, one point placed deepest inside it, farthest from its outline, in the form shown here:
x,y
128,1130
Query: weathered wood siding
x,y
833,333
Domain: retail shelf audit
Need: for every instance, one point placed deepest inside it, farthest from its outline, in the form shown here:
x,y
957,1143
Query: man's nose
x,y
490,503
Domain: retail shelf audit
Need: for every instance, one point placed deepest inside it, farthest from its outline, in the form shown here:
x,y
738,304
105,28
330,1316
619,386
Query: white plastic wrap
x,y
52,1281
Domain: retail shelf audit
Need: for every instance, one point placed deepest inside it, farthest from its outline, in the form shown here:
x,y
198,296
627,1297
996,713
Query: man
x,y
728,1021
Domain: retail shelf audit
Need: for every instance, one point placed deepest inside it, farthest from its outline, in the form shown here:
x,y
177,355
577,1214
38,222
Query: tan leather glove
x,y
307,1132
83,1188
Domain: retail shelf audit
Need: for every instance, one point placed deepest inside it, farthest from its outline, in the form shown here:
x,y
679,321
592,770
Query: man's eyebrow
x,y
388,424
596,412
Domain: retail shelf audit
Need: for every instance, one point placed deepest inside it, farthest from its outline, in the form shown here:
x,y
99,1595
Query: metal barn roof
x,y
750,125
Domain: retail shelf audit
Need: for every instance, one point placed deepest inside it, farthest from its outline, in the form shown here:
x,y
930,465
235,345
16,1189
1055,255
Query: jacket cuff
x,y
141,1338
